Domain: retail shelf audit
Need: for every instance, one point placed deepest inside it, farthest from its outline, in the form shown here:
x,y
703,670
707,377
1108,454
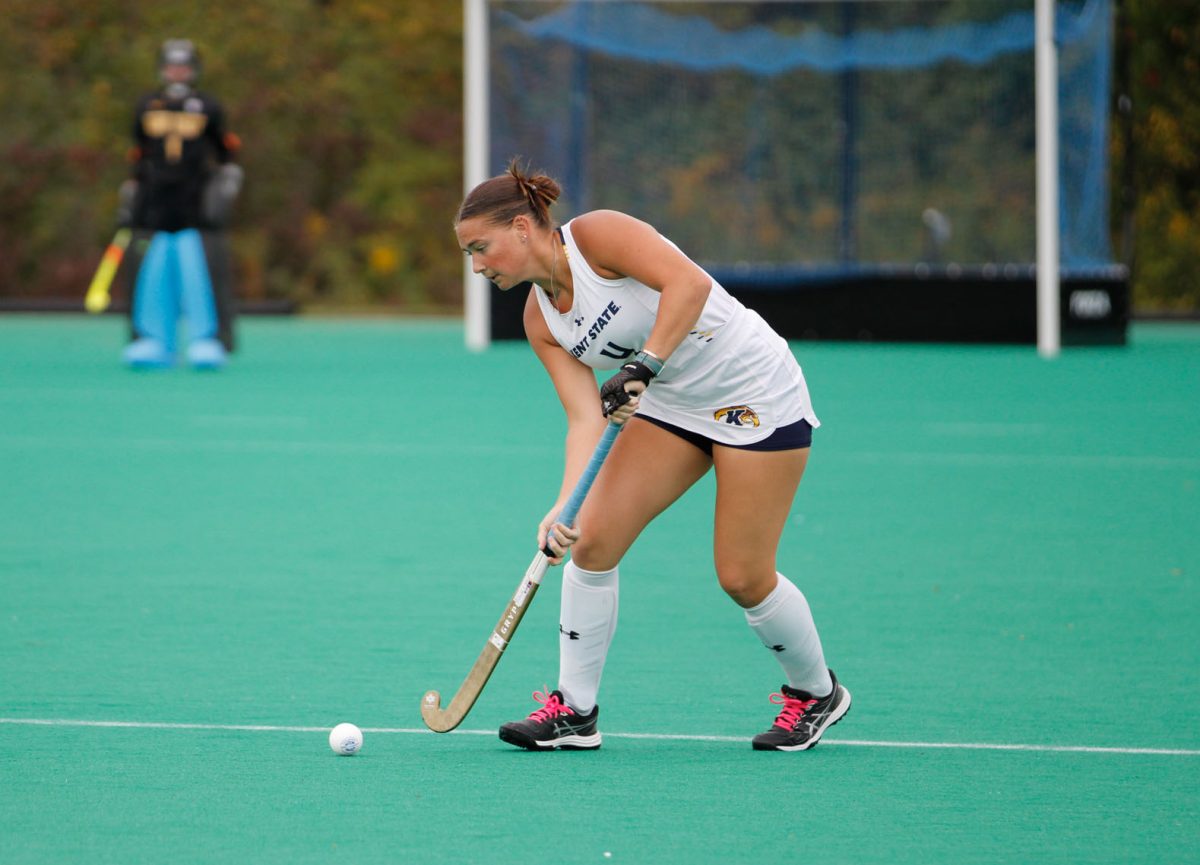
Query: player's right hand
x,y
554,538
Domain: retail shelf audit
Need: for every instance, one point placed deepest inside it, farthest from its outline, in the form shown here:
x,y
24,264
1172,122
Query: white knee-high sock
x,y
785,625
586,624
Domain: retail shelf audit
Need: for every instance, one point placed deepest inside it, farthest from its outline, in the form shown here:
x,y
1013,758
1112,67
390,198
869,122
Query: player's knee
x,y
747,583
594,555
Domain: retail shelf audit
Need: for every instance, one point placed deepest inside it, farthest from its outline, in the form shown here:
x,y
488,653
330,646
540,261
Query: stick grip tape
x,y
571,509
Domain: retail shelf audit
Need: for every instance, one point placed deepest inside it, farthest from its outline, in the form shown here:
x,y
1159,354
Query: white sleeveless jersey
x,y
732,379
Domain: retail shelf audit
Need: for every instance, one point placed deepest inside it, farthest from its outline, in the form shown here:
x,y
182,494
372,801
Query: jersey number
x,y
620,352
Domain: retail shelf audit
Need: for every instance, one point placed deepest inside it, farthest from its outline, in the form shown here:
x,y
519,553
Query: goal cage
x,y
863,169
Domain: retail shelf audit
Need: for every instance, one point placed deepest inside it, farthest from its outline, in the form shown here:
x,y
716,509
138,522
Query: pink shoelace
x,y
552,707
793,710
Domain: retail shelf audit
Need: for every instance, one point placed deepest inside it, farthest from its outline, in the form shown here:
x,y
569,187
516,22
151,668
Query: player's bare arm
x,y
616,244
576,387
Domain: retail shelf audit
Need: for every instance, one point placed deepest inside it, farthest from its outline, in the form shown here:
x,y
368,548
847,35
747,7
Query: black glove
x,y
613,394
220,192
126,203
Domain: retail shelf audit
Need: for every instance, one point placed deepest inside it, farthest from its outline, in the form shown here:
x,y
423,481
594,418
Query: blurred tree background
x,y
350,117
350,114
1156,151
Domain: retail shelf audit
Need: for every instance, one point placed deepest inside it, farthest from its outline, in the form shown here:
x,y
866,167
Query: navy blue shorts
x,y
791,437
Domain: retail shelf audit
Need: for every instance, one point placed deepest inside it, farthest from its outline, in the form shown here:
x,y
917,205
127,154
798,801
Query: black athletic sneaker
x,y
554,726
803,719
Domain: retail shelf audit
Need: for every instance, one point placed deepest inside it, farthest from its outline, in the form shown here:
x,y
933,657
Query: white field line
x,y
668,737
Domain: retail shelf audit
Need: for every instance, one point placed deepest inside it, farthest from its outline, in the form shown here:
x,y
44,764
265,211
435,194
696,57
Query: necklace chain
x,y
553,267
558,239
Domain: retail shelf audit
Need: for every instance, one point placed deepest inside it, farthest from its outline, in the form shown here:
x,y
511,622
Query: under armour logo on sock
x,y
776,648
570,635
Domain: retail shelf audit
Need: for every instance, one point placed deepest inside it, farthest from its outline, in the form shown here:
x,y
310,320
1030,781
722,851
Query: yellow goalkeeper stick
x,y
98,296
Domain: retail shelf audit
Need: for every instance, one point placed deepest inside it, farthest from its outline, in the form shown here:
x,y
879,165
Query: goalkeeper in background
x,y
178,203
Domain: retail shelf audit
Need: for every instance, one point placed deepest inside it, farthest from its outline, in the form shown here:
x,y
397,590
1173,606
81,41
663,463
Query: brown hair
x,y
503,198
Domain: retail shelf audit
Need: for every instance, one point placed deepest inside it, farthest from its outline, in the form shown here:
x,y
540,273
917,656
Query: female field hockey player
x,y
701,382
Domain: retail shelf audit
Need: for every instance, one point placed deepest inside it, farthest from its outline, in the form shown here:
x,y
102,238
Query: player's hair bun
x,y
517,192
539,190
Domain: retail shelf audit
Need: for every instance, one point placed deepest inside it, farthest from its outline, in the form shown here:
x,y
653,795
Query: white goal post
x,y
1049,322
477,307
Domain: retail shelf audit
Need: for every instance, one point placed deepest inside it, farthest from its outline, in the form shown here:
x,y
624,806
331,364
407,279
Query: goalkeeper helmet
x,y
178,66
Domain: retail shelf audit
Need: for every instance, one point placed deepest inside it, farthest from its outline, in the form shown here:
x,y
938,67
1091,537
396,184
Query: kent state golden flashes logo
x,y
738,415
176,127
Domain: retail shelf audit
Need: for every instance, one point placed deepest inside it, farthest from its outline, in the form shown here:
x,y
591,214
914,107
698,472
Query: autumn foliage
x,y
350,116
350,113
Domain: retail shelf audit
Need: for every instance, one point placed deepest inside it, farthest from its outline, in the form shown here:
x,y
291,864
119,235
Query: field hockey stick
x,y
444,720
98,297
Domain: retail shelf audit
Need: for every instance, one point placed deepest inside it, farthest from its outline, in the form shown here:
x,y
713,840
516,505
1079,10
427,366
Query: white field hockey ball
x,y
345,739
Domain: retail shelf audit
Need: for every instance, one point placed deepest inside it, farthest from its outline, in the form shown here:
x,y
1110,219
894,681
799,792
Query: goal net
x,y
778,139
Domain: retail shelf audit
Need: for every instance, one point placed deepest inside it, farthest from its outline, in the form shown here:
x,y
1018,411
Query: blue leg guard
x,y
155,306
199,306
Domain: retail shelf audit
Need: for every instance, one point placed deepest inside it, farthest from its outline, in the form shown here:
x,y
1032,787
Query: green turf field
x,y
203,573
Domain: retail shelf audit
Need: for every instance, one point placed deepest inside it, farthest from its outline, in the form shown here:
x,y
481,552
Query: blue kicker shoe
x,y
207,354
147,353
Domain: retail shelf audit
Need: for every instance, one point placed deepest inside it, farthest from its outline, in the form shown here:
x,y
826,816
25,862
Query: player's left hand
x,y
619,395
